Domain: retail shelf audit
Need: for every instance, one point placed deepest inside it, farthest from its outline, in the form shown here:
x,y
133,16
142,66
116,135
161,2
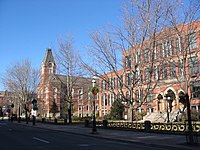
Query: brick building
x,y
54,88
7,99
157,73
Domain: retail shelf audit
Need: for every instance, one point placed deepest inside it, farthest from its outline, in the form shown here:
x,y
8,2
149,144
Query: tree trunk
x,y
70,113
26,114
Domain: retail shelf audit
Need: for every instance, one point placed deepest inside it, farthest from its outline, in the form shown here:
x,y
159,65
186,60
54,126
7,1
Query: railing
x,y
174,127
156,127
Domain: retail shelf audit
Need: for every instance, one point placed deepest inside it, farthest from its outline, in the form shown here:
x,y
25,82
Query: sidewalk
x,y
167,141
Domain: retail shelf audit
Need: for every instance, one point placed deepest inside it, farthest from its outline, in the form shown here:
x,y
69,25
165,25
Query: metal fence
x,y
174,127
155,127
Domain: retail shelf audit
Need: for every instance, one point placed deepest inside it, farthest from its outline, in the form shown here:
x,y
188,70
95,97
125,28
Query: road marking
x,y
41,140
84,145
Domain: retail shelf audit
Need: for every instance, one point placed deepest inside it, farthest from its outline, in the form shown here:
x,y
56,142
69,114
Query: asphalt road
x,y
20,137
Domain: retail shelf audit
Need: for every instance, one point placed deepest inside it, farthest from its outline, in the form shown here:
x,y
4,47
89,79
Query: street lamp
x,y
95,90
167,98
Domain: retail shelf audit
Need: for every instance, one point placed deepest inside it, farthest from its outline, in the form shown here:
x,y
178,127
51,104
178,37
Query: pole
x,y
33,120
167,112
94,91
19,118
190,131
94,129
26,114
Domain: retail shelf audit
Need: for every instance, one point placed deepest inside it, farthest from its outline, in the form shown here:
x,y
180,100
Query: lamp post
x,y
167,98
95,90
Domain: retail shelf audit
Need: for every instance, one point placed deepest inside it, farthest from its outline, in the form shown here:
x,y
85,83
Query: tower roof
x,y
48,57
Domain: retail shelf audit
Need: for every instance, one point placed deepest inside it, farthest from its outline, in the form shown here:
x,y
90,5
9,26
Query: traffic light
x,y
34,102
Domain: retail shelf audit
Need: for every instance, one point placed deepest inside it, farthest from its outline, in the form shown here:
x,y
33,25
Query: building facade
x,y
8,103
157,73
65,91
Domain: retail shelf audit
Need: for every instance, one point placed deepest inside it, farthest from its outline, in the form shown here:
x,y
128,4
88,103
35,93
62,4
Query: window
x,y
128,61
149,93
128,78
109,83
164,50
180,68
112,83
164,71
137,58
50,70
192,41
120,81
138,95
104,100
155,53
195,89
147,75
156,73
178,45
170,48
193,65
54,93
111,99
80,94
146,55
172,70
104,84
138,77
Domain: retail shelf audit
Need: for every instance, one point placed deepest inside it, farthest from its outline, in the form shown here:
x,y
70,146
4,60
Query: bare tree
x,y
145,24
21,79
182,37
68,65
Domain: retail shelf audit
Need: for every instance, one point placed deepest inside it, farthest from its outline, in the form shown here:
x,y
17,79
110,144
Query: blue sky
x,y
28,27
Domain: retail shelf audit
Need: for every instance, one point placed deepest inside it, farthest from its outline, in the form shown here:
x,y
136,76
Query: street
x,y
20,137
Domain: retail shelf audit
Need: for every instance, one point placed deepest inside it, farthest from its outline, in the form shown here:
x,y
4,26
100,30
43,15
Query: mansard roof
x,y
48,58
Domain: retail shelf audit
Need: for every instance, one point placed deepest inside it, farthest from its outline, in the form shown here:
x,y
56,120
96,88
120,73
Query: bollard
x,y
65,121
55,120
147,125
33,120
105,123
86,123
